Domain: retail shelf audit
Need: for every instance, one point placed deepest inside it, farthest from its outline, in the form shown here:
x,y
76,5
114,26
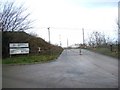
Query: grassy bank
x,y
105,51
47,52
31,59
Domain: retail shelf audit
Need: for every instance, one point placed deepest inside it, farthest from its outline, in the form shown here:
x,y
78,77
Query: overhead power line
x,y
67,28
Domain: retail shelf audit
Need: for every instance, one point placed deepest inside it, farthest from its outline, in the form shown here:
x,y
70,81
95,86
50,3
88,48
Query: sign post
x,y
19,48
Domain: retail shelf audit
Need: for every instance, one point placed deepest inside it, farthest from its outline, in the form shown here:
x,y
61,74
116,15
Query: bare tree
x,y
96,39
13,18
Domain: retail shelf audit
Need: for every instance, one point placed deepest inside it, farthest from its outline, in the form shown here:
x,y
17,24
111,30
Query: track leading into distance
x,y
70,70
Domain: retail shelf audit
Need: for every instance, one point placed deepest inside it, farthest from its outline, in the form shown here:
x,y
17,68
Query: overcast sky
x,y
66,18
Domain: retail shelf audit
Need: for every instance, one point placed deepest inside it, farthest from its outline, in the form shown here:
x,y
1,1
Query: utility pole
x,y
67,42
49,33
60,39
83,36
83,42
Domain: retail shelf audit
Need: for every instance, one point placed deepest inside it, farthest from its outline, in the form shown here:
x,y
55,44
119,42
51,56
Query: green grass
x,y
31,59
0,61
105,51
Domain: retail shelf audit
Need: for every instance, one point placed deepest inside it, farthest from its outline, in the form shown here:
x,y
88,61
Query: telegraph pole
x,y
60,39
83,42
83,36
49,33
67,42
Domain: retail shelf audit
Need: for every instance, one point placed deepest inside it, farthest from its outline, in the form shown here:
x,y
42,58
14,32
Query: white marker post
x,y
80,50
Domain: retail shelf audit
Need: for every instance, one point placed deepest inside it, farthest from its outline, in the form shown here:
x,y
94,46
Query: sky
x,y
66,18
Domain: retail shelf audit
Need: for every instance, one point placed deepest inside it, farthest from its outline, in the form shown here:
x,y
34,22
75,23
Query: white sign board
x,y
19,51
19,48
12,45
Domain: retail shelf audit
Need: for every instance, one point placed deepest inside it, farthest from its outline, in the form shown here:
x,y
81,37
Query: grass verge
x,y
105,51
31,59
0,61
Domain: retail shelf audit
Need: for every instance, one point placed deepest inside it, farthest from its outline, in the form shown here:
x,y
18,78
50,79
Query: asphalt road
x,y
70,70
